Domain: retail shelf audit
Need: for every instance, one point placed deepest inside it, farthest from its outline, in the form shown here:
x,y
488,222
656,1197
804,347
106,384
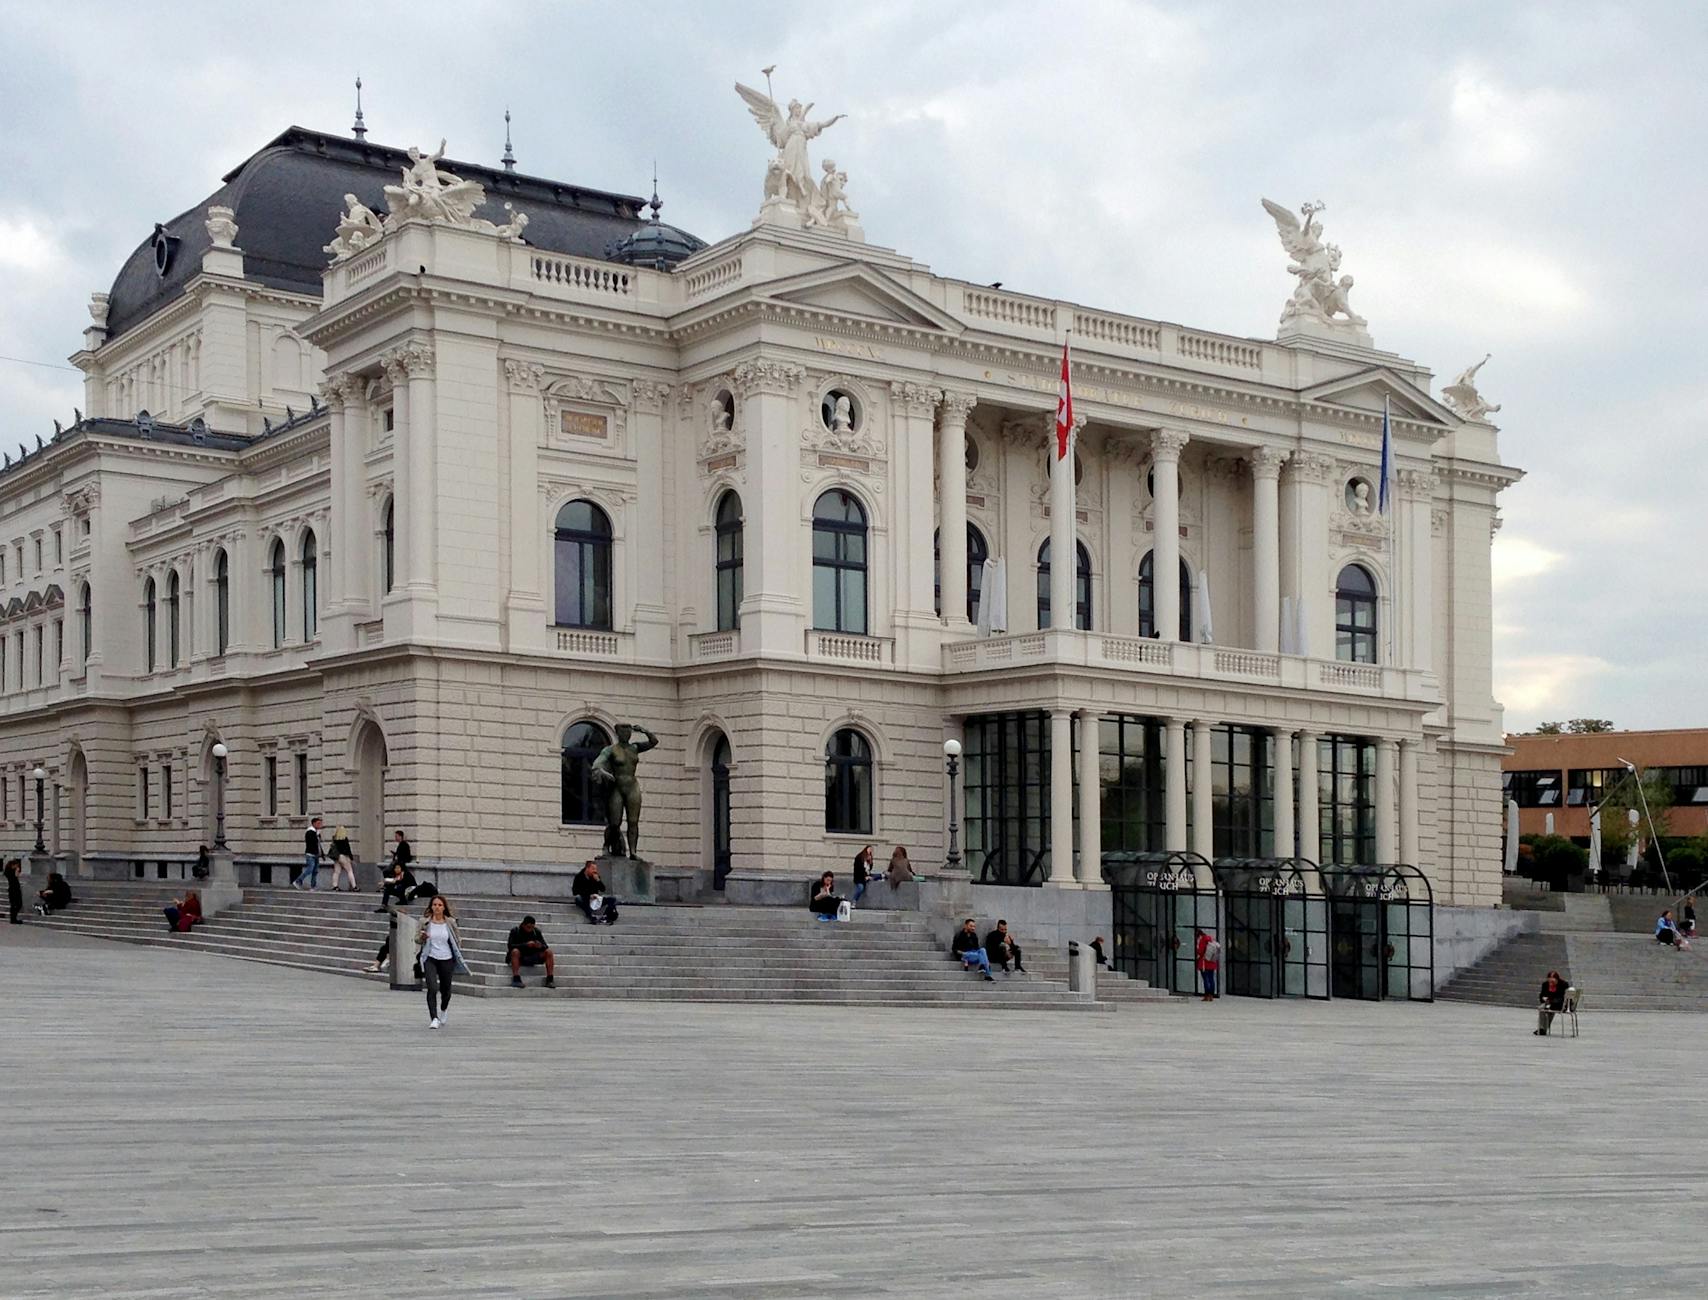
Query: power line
x,y
46,365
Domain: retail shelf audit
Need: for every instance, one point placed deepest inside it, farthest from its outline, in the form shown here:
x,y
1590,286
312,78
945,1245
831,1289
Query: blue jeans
x,y
1209,983
310,871
977,957
859,891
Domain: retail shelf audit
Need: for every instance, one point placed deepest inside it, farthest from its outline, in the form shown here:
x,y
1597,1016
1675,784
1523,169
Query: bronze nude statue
x,y
614,769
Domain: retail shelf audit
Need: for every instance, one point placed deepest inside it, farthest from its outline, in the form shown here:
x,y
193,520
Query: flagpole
x,y
1064,533
1393,530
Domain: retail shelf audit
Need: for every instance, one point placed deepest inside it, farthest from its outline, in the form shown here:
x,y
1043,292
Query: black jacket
x,y
401,854
58,890
964,943
311,843
407,881
14,890
1556,999
341,848
996,945
521,939
584,886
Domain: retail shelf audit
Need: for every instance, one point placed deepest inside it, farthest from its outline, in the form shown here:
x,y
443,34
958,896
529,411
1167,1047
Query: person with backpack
x,y
1208,952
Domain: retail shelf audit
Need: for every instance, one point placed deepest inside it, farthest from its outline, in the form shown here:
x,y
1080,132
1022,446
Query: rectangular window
x,y
1242,798
38,549
1130,758
1346,801
41,655
59,546
1007,784
270,796
58,646
1538,789
20,644
142,792
5,802
166,790
302,783
389,418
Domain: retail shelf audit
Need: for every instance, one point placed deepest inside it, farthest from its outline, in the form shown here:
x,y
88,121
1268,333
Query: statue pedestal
x,y
220,890
630,880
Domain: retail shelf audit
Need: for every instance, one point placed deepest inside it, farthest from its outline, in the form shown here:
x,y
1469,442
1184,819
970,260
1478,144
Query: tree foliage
x,y
1575,727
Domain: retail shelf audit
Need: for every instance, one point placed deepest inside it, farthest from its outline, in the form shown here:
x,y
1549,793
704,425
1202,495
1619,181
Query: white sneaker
x,y
433,1023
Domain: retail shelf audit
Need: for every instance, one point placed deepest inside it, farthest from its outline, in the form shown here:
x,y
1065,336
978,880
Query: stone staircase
x,y
716,953
1616,971
1511,975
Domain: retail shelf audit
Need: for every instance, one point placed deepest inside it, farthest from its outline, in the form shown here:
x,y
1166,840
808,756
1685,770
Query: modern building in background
x,y
409,479
1565,777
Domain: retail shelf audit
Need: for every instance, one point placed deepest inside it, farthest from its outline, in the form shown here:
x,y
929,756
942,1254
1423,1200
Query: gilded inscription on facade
x,y
582,424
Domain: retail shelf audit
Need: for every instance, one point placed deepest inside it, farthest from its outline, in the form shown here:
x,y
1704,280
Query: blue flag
x,y
1387,462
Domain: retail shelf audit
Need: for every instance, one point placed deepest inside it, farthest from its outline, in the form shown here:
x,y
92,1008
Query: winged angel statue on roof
x,y
1318,295
788,178
1462,394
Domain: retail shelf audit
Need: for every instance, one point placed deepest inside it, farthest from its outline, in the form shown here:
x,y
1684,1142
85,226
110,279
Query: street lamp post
x,y
952,759
41,776
219,753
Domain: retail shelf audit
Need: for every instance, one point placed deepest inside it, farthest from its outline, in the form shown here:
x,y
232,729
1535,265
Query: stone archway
x,y
370,756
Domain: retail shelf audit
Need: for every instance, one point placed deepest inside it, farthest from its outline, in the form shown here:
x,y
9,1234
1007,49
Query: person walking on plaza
x,y
863,873
528,947
14,891
966,948
1553,1001
312,853
1208,958
343,859
441,954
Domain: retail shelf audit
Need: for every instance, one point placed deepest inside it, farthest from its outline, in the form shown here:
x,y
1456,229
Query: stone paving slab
x,y
178,1125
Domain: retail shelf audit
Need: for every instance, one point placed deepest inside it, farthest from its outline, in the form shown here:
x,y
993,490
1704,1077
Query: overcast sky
x,y
1519,179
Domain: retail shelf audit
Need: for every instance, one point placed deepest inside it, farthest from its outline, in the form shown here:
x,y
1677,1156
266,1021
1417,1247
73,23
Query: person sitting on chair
x,y
823,899
528,947
1553,1001
593,896
966,949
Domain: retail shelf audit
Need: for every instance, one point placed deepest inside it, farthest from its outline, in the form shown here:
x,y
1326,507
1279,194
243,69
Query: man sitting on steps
x,y
1000,947
528,947
966,948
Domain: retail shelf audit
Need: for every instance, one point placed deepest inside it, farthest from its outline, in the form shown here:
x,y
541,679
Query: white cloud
x,y
28,246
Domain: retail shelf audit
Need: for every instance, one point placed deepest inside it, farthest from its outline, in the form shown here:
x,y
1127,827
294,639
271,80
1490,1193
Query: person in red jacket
x,y
184,912
1208,952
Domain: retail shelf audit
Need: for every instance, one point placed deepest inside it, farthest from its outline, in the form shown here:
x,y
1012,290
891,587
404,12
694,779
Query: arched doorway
x,y
370,754
79,806
718,774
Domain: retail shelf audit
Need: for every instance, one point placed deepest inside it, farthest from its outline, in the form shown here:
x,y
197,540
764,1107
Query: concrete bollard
x,y
403,927
1082,970
220,890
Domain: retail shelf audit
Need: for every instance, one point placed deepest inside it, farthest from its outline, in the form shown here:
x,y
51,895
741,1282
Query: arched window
x,y
583,800
729,579
1081,588
583,556
977,553
388,547
839,564
222,602
148,616
276,574
86,614
172,620
1355,615
310,587
848,783
1147,598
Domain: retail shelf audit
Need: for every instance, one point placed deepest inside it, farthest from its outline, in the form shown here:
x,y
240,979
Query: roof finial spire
x,y
656,203
509,153
359,128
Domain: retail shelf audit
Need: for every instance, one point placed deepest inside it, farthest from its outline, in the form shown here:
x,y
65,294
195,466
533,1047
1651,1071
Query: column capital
x,y
1061,713
337,390
1167,444
1415,484
1311,465
1266,462
779,378
413,359
649,395
524,376
1388,744
915,399
957,406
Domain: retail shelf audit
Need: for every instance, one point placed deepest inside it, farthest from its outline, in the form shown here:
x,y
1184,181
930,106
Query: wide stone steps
x,y
715,953
1511,975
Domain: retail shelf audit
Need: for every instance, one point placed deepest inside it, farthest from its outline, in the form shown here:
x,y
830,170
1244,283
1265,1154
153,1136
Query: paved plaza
x,y
180,1125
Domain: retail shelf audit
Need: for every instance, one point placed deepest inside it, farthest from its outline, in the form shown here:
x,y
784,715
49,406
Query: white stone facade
x,y
471,385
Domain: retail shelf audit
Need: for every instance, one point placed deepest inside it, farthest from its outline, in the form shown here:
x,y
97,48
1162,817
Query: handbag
x,y
844,911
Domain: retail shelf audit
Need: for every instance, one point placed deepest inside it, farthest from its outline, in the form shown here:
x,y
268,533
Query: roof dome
x,y
655,244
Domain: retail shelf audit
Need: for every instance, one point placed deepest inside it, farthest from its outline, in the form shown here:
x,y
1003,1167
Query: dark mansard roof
x,y
287,199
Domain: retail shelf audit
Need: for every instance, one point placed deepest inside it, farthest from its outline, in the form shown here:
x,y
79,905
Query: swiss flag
x,y
1064,410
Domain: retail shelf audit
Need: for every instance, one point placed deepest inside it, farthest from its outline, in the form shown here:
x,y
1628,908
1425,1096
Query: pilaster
x,y
913,410
772,611
652,617
525,617
952,508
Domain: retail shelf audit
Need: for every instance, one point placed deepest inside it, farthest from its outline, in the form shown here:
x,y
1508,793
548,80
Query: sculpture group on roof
x,y
426,193
790,190
1318,296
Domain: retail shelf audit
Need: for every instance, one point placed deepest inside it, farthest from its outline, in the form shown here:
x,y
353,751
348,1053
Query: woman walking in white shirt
x,y
441,957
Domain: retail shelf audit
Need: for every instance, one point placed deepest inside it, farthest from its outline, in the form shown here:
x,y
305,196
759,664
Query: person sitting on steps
x,y
1666,931
1000,947
1553,1001
56,897
863,873
824,900
593,896
527,947
966,949
900,870
184,912
400,885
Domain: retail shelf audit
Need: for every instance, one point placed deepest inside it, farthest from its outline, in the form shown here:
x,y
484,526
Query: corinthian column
x,y
952,507
1166,446
1265,465
1064,531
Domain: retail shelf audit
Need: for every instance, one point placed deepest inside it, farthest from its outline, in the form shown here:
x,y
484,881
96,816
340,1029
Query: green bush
x,y
1556,860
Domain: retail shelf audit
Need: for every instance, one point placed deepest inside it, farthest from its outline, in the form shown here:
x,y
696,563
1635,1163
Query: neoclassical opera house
x,y
407,479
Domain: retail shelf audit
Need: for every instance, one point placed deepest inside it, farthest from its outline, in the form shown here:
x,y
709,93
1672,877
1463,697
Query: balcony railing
x,y
850,648
703,647
1183,660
